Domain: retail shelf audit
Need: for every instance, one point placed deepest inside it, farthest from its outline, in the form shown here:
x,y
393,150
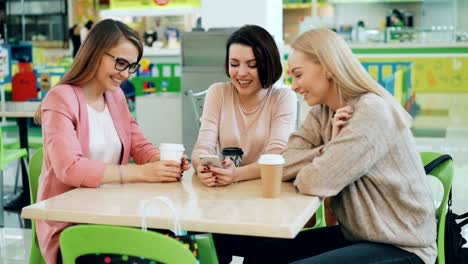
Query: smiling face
x,y
243,69
109,78
309,79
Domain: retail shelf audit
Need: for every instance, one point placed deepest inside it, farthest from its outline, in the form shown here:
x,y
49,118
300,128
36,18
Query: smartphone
x,y
211,161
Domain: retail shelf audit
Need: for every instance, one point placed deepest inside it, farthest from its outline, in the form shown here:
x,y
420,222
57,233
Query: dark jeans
x,y
322,245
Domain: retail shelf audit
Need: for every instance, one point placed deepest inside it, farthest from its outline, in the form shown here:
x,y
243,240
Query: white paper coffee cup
x,y
271,171
171,151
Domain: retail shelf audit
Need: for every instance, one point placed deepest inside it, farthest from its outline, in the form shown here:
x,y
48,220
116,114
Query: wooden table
x,y
235,209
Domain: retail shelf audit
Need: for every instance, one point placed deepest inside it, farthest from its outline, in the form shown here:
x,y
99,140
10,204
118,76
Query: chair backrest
x,y
82,240
444,173
35,167
198,100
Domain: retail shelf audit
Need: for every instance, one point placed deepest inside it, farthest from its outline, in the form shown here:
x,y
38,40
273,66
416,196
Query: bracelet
x,y
120,174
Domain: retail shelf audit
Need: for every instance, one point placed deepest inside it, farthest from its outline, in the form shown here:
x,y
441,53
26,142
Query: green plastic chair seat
x,y
10,155
33,142
82,240
11,143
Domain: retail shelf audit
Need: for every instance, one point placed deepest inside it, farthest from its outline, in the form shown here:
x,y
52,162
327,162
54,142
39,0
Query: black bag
x,y
454,251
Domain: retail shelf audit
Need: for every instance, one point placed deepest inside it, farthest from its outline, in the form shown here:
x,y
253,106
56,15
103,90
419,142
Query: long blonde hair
x,y
102,37
328,49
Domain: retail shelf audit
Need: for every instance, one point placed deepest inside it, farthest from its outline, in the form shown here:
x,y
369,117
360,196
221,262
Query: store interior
x,y
421,44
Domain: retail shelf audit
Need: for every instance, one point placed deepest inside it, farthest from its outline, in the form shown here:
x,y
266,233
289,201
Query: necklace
x,y
257,107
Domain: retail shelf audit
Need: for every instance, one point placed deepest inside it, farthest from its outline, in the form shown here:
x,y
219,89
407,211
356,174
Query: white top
x,y
84,34
104,142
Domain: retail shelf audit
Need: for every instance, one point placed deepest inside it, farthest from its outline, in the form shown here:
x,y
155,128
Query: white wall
x,y
439,13
426,14
462,23
265,13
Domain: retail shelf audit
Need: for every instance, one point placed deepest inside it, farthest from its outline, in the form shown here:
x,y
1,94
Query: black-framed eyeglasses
x,y
122,64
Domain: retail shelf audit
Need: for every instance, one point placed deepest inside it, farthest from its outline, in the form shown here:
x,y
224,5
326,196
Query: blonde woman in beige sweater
x,y
246,112
355,147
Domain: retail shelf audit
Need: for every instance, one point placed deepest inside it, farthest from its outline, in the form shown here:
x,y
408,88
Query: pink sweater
x,y
66,163
225,124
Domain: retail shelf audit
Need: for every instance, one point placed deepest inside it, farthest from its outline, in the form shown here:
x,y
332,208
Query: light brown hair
x,y
102,37
326,48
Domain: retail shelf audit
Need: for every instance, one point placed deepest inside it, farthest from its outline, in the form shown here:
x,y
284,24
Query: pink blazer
x,y
67,164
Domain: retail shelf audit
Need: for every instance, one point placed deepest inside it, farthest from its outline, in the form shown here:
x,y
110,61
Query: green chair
x,y
82,240
443,172
319,218
33,142
206,249
35,166
7,156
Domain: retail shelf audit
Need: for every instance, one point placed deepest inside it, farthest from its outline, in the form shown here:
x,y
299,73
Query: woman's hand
x,y
341,118
226,175
184,164
160,171
206,176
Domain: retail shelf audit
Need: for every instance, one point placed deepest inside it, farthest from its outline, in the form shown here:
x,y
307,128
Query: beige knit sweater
x,y
372,172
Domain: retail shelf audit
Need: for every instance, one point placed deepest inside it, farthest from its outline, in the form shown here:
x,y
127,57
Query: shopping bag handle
x,y
165,200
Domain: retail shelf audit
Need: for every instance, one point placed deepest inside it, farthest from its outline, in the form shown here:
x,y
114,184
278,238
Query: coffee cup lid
x,y
171,147
233,151
271,159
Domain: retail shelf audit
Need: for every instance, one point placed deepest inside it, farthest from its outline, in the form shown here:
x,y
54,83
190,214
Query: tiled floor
x,y
15,244
15,241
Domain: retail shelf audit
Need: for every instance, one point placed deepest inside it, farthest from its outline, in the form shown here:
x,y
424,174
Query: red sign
x,y
161,2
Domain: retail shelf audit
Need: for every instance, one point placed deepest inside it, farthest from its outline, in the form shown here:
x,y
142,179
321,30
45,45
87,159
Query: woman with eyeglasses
x,y
89,133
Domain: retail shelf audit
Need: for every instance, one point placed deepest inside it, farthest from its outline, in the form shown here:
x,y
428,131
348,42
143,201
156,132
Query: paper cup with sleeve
x,y
271,172
234,154
171,151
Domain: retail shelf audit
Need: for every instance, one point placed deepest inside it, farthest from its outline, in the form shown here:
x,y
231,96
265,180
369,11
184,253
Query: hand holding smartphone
x,y
211,160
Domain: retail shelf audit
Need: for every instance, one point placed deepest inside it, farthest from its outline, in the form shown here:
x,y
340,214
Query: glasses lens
x,y
133,67
121,64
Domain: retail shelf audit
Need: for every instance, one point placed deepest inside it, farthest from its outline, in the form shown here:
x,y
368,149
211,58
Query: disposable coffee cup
x,y
170,151
234,154
271,172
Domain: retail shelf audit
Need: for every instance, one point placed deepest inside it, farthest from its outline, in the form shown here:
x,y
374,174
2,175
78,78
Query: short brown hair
x,y
102,37
265,51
